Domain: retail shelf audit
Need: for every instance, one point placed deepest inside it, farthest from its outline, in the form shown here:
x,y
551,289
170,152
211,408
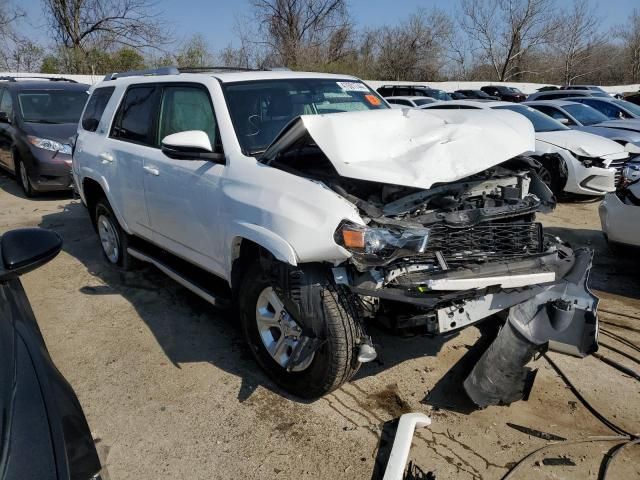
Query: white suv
x,y
319,221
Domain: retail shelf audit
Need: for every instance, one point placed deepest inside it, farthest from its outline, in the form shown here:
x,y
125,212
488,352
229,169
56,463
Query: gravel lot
x,y
170,391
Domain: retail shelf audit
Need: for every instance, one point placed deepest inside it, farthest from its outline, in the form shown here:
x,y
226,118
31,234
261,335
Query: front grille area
x,y
488,241
618,165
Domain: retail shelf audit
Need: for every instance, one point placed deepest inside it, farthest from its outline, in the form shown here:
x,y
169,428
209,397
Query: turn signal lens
x,y
353,238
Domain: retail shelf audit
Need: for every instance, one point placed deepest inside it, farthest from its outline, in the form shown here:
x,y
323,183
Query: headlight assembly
x,y
382,245
51,145
631,172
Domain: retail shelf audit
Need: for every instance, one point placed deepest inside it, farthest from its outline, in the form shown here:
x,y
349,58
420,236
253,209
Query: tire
x,y
551,177
113,239
22,177
333,364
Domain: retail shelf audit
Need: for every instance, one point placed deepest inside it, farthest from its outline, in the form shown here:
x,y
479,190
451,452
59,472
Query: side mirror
x,y
4,117
564,121
26,249
190,145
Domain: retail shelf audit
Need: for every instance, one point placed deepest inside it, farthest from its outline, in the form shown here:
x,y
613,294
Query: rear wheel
x,y
22,176
273,333
113,239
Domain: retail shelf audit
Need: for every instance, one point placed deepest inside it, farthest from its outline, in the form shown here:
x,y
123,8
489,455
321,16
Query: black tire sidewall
x,y
27,189
308,383
104,209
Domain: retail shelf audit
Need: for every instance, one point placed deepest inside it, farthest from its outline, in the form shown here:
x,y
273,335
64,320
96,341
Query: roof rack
x,y
10,78
177,70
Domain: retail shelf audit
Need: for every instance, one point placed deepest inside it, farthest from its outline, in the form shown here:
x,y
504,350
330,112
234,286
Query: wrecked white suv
x,y
321,209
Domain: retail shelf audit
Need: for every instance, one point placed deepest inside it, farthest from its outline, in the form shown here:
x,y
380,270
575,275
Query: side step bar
x,y
209,296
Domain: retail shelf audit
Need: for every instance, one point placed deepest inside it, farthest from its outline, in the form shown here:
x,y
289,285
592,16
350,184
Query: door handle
x,y
106,157
151,170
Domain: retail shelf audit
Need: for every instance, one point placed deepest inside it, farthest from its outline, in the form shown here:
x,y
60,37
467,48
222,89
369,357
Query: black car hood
x,y
60,132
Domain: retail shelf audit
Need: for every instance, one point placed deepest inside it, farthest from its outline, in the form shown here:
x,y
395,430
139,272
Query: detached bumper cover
x,y
562,318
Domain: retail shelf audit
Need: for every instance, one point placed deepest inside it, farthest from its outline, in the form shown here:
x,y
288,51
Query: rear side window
x,y
136,118
95,108
6,104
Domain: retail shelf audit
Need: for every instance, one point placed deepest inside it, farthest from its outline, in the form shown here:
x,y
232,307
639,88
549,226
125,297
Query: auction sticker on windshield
x,y
353,86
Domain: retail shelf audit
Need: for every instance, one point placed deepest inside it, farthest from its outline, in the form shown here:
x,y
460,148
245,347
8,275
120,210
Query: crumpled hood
x,y
581,143
411,147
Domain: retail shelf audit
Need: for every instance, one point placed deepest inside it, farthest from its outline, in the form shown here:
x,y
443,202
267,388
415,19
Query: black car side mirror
x,y
26,249
4,117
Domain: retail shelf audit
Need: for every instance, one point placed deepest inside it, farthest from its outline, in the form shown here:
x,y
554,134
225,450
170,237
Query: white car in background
x,y
414,102
571,161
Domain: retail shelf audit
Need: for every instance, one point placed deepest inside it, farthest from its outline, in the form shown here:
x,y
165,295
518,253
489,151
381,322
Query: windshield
x,y
261,109
514,90
632,107
541,122
585,114
51,106
438,94
423,101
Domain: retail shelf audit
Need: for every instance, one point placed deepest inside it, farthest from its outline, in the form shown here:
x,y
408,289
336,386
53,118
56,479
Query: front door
x,y
182,196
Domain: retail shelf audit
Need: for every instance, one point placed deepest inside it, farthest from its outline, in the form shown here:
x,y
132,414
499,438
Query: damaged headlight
x,y
381,245
590,161
631,172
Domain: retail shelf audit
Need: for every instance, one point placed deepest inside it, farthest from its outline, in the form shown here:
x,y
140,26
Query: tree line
x,y
543,41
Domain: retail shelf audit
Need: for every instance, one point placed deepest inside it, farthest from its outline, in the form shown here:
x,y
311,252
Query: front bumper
x,y
49,172
589,180
559,275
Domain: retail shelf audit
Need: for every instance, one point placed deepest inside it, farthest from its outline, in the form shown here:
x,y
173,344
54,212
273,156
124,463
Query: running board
x,y
210,297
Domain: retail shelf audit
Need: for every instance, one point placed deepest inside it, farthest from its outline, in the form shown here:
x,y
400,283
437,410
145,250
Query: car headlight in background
x,y
381,245
51,145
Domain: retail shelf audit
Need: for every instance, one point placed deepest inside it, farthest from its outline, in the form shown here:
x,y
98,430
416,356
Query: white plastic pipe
x,y
402,444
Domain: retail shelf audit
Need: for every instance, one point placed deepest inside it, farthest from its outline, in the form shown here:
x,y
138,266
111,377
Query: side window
x,y
95,108
403,92
135,120
186,108
6,104
385,91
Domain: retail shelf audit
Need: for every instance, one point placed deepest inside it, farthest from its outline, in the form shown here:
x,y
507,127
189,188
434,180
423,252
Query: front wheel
x,y
551,175
273,333
22,175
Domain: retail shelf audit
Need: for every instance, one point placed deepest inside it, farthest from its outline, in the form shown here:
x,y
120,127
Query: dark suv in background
x,y
413,91
38,119
507,94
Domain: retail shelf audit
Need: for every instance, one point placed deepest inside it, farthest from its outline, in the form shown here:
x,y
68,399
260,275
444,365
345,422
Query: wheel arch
x,y
92,191
248,243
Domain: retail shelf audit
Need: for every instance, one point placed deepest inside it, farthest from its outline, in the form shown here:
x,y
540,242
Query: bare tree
x,y
576,40
294,29
27,57
82,25
630,35
414,49
504,31
195,53
9,39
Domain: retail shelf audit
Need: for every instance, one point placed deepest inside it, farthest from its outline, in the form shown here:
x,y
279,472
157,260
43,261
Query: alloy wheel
x,y
108,238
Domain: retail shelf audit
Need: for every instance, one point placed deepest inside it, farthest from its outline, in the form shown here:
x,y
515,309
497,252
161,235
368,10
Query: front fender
x,y
268,240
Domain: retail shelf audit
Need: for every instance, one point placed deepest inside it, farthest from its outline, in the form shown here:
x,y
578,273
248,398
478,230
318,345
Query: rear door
x,y
131,140
183,196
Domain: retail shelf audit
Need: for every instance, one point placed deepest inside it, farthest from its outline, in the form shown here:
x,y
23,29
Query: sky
x,y
216,19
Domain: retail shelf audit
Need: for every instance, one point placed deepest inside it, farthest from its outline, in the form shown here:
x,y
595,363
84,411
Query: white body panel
x,y
621,221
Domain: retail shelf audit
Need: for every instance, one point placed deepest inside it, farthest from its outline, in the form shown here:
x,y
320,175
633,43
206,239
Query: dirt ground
x,y
170,391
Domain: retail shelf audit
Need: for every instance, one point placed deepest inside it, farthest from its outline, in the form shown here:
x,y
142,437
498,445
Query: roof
x,y
228,77
412,99
473,103
46,85
583,97
552,103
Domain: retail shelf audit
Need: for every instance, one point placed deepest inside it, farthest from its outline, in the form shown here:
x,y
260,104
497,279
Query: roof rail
x,y
404,85
142,73
214,68
10,78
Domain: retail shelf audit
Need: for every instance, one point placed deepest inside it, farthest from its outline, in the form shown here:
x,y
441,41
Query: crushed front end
x,y
448,257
